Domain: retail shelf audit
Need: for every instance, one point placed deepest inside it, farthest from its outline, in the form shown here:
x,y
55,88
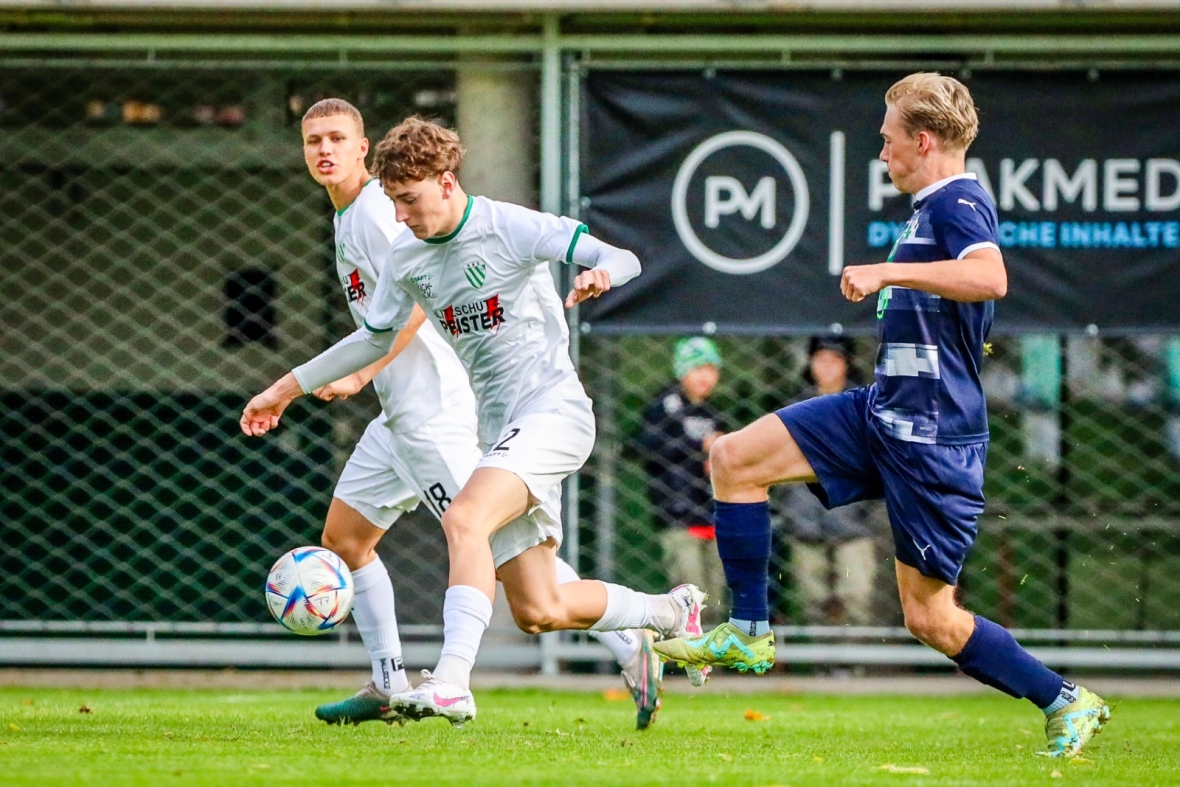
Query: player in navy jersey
x,y
916,437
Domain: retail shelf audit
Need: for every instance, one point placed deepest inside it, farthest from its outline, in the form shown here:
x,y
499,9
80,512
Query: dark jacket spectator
x,y
678,428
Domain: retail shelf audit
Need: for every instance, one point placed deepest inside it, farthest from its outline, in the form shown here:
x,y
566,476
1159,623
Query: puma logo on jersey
x,y
486,315
968,204
354,286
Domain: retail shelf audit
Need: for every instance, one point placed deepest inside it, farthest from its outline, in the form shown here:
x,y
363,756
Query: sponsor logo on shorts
x,y
922,549
477,317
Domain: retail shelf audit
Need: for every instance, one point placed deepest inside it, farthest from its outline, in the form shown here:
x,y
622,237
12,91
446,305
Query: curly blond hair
x,y
938,104
417,149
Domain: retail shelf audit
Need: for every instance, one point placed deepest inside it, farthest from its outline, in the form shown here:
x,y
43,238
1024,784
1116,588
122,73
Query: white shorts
x,y
539,525
544,447
389,473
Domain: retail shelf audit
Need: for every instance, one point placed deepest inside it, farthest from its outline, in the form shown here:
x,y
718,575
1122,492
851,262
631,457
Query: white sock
x,y
466,614
623,645
373,613
1068,696
751,628
630,609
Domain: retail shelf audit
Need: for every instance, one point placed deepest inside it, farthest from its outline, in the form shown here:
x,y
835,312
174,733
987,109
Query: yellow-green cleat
x,y
724,646
1072,727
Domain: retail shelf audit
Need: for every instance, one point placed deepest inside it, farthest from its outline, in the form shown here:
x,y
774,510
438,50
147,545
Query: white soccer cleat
x,y
691,600
435,697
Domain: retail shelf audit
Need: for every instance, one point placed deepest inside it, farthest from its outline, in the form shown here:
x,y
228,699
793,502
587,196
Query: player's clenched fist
x,y
860,281
588,284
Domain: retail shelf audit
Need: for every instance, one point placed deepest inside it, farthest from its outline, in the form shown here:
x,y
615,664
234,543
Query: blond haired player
x,y
916,437
525,548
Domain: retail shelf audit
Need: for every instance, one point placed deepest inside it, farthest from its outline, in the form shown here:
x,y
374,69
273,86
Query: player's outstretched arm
x,y
351,354
355,382
609,266
978,276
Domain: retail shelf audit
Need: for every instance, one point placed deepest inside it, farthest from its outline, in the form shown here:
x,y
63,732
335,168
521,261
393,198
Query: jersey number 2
x,y
501,446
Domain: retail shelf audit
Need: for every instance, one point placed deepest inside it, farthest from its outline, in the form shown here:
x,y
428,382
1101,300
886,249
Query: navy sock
x,y
743,542
993,656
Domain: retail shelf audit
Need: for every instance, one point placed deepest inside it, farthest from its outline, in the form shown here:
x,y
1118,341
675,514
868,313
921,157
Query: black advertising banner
x,y
745,193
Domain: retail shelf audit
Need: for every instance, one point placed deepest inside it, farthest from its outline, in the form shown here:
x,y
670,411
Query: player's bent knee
x,y
461,523
917,624
351,550
537,618
726,457
928,627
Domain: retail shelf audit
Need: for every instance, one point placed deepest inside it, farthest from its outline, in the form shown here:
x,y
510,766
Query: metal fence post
x,y
551,179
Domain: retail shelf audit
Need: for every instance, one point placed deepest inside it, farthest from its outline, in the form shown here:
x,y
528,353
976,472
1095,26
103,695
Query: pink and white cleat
x,y
691,600
436,697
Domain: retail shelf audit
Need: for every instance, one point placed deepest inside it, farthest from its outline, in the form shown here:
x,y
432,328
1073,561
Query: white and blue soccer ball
x,y
309,590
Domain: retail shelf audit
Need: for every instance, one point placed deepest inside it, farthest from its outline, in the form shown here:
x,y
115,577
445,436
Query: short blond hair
x,y
330,107
417,149
939,104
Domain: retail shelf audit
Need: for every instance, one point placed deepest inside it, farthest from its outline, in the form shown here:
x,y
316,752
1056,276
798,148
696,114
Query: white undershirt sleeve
x,y
351,354
590,252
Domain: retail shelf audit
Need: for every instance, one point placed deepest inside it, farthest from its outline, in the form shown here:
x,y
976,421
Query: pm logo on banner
x,y
727,201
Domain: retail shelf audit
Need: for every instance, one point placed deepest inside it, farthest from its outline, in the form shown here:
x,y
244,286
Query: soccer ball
x,y
309,590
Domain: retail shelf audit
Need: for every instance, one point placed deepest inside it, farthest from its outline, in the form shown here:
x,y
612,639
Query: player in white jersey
x,y
480,270
422,446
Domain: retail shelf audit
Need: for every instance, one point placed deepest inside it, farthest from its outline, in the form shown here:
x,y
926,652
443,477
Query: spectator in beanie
x,y
832,552
679,427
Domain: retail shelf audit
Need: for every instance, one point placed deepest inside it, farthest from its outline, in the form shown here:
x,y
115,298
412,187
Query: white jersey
x,y
488,288
426,377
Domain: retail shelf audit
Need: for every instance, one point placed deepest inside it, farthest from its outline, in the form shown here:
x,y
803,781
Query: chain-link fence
x,y
165,256
1082,527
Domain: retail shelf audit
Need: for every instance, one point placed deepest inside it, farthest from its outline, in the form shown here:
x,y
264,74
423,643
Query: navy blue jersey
x,y
928,364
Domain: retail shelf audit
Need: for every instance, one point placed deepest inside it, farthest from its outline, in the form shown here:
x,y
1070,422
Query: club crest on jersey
x,y
354,286
477,273
479,316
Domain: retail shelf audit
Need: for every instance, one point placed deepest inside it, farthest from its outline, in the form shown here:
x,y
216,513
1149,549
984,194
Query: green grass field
x,y
229,738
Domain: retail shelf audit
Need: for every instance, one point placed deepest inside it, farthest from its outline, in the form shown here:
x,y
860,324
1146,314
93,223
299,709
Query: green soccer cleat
x,y
724,646
644,676
368,704
1072,727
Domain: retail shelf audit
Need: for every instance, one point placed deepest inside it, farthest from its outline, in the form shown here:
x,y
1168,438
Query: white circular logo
x,y
680,203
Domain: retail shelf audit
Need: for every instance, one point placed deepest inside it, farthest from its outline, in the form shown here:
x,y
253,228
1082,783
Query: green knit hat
x,y
693,353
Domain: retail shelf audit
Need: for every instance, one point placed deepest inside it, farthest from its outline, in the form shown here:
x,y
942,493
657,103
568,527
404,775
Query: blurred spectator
x,y
679,427
832,554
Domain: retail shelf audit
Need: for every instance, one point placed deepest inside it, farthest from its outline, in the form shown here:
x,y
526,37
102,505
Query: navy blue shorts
x,y
933,493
